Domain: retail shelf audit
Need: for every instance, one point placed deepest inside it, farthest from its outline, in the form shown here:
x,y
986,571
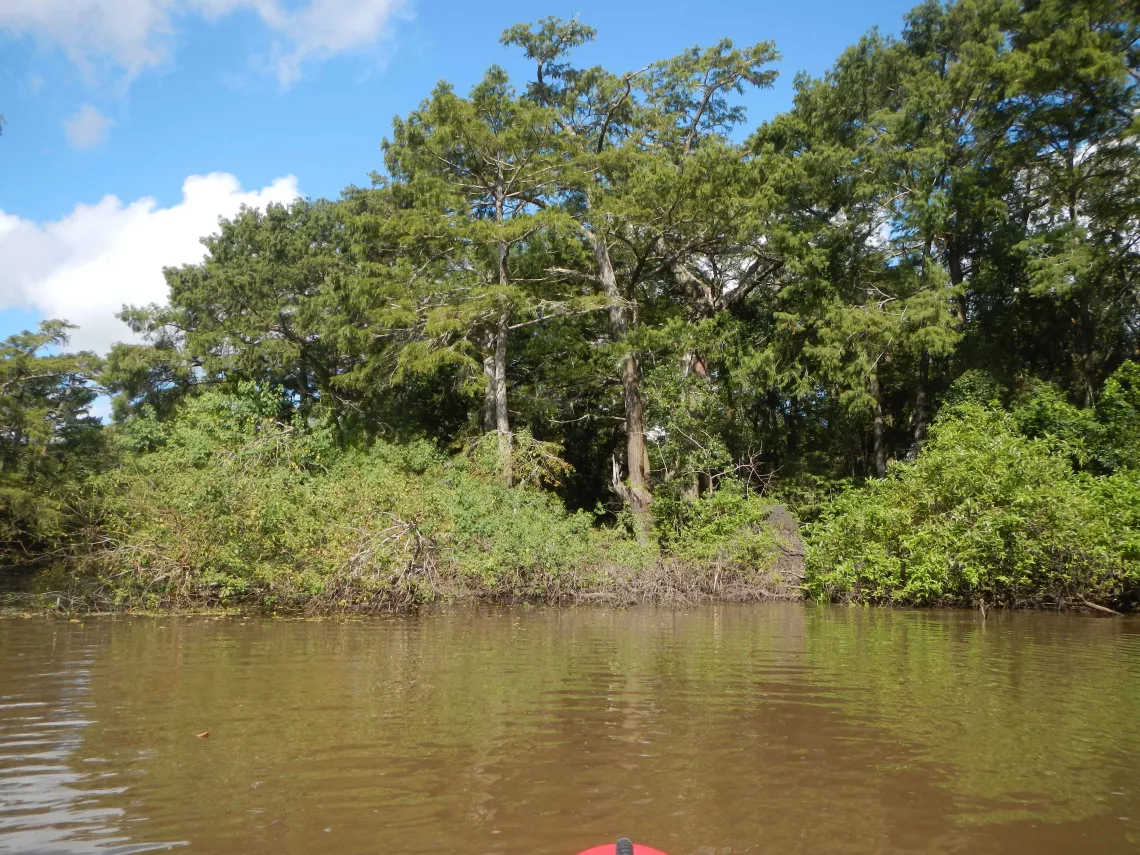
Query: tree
x,y
1076,118
48,437
843,310
630,135
261,304
941,130
478,168
157,374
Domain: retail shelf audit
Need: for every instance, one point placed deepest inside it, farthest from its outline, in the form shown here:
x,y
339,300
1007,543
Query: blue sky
x,y
133,124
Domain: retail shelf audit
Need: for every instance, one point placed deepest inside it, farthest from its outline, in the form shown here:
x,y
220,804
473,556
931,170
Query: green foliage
x,y
808,491
1102,440
1118,413
533,463
1042,411
984,515
727,528
977,387
233,507
48,439
585,286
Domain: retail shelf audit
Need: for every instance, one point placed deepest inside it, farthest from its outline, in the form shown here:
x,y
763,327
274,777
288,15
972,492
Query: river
x,y
716,730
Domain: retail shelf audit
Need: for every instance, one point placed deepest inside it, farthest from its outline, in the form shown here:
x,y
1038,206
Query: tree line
x,y
615,264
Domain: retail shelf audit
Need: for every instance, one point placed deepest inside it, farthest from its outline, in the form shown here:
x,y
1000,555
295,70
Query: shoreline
x,y
601,600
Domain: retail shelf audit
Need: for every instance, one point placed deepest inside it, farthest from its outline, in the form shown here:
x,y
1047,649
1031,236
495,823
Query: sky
x,y
131,126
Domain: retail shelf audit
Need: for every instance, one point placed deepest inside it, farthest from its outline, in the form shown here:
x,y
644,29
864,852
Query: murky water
x,y
765,729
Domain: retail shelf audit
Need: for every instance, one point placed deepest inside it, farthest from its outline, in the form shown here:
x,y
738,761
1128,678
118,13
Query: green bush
x,y
226,506
725,526
1102,440
1118,413
984,515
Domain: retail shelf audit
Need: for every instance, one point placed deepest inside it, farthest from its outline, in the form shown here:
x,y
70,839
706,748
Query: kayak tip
x,y
623,847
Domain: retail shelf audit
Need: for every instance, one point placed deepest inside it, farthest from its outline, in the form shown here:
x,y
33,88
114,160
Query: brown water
x,y
764,729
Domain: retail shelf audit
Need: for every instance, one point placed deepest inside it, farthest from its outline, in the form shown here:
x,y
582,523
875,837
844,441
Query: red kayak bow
x,y
622,847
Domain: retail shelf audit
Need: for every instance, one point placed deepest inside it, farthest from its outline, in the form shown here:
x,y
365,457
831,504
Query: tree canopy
x,y
615,268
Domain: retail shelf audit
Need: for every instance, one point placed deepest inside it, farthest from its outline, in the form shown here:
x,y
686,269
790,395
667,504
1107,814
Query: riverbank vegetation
x,y
586,330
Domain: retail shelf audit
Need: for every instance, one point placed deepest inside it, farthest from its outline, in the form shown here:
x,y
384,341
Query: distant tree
x,y
48,437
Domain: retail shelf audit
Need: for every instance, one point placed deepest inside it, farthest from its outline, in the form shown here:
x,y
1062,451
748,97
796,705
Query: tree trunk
x,y
1088,380
637,493
793,424
956,278
879,449
921,415
637,451
303,391
490,389
502,416
693,365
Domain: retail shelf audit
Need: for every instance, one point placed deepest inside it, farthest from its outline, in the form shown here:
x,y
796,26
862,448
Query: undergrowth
x,y
984,515
226,506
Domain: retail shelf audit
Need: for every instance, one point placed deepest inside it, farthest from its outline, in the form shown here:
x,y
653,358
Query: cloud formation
x,y
85,266
87,127
326,28
133,35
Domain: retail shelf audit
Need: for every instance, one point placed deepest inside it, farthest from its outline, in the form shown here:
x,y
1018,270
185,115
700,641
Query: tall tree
x,y
480,167
630,135
939,130
261,306
1076,146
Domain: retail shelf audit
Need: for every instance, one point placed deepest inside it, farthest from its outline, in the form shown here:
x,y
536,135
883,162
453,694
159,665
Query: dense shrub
x,y
984,515
727,527
227,506
1101,439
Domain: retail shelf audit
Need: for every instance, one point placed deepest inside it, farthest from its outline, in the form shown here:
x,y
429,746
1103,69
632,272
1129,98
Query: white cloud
x,y
129,33
84,267
87,128
133,35
326,28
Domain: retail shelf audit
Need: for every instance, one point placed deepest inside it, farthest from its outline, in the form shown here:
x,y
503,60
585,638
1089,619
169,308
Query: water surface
x,y
720,729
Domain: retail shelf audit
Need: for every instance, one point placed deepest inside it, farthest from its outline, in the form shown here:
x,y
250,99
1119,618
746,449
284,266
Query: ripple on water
x,y
726,729
47,805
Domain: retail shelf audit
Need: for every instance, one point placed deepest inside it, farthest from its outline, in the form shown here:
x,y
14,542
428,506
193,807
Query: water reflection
x,y
52,799
720,729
